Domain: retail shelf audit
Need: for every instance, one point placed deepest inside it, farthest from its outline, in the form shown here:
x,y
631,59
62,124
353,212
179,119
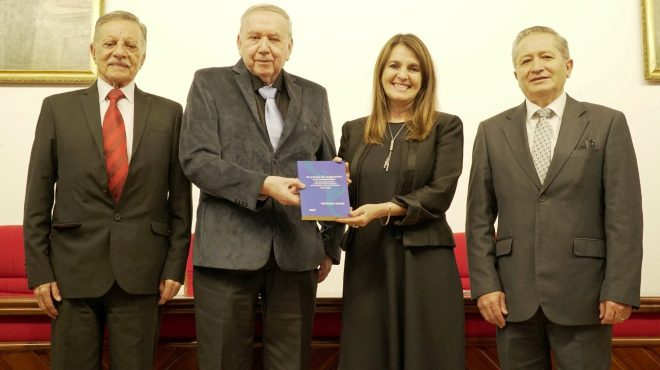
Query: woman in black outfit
x,y
403,302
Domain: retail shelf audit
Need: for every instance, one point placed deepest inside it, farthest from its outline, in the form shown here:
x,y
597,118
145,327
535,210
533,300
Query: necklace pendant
x,y
386,165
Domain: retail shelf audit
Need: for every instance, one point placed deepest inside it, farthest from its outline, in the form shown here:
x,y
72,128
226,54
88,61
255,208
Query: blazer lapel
x,y
408,159
570,132
355,165
89,100
516,135
295,105
140,113
244,82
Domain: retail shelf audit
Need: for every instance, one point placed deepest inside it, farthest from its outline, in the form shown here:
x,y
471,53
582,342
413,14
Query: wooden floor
x,y
644,355
628,353
481,355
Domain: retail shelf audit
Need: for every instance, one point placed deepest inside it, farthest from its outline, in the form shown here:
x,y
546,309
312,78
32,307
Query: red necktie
x,y
114,146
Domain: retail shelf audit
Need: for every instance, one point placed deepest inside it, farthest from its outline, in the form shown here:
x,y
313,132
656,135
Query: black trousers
x,y
225,311
132,322
527,345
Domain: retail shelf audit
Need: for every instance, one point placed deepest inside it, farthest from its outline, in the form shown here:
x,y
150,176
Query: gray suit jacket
x,y
226,152
569,243
76,235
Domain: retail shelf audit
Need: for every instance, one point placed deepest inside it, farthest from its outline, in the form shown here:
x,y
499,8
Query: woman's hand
x,y
346,168
365,214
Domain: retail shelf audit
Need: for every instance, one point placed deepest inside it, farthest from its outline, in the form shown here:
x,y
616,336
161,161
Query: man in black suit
x,y
107,208
241,150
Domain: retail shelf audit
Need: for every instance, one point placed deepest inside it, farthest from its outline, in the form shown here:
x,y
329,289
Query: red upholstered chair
x,y
475,325
188,284
460,252
13,284
13,279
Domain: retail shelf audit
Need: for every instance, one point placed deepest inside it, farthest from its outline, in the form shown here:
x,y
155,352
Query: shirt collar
x,y
278,83
557,106
104,89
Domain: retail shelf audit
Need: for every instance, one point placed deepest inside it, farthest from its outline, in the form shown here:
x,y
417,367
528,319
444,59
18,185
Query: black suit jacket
x,y
74,234
226,152
427,184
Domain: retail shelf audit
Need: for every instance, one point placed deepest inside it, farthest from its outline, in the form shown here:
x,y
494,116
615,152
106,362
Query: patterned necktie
x,y
114,146
541,147
274,121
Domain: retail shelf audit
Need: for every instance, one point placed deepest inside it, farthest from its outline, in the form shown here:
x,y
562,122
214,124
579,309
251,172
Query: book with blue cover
x,y
325,197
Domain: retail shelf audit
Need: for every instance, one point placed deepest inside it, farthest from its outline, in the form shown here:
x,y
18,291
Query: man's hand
x,y
285,190
168,289
45,294
324,268
493,308
613,313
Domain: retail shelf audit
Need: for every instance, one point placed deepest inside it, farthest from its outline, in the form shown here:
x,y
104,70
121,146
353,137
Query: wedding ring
x,y
621,318
354,226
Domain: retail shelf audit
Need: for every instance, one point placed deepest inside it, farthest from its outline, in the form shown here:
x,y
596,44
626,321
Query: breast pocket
x,y
586,147
580,153
308,134
311,123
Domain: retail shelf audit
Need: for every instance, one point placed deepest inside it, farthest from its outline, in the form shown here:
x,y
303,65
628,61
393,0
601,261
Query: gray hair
x,y
267,8
562,44
121,15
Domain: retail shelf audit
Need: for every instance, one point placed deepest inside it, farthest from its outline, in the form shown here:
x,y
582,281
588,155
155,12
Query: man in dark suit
x,y
241,150
106,240
560,176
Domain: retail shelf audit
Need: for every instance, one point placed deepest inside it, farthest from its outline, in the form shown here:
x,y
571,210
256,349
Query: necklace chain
x,y
389,126
386,165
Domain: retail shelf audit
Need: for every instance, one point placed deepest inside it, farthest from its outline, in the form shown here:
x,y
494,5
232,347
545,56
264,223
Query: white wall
x,y
336,43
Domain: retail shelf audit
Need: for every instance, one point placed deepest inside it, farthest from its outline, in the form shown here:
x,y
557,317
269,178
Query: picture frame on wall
x,y
651,35
46,41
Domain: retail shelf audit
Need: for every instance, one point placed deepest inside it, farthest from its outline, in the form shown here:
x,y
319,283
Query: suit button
x,y
542,198
116,217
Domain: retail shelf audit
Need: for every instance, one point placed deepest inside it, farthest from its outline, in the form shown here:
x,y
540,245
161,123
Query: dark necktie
x,y
114,146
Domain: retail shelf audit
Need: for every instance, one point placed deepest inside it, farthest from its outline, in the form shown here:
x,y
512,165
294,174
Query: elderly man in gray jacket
x,y
244,129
